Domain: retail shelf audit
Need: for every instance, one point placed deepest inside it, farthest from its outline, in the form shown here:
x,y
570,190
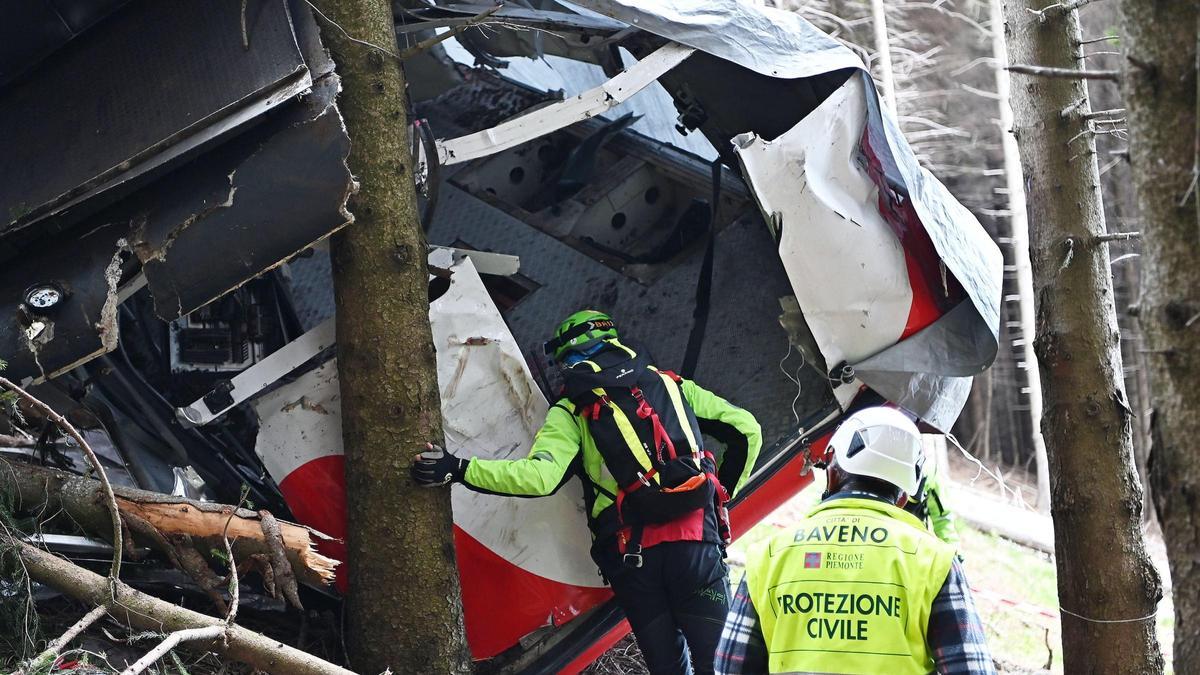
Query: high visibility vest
x,y
849,590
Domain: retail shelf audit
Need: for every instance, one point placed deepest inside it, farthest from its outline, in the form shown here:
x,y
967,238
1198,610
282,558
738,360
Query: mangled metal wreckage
x,y
167,199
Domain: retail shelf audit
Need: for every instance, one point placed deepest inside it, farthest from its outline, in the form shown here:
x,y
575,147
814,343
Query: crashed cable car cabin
x,y
721,178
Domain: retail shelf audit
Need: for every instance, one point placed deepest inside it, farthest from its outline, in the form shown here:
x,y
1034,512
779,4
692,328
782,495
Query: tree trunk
x,y
1019,229
33,489
1107,586
404,603
1159,39
136,609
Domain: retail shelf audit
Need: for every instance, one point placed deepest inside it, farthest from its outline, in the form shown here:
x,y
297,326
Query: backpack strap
x,y
671,374
661,437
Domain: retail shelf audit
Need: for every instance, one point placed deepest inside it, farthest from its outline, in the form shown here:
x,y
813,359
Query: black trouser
x,y
681,592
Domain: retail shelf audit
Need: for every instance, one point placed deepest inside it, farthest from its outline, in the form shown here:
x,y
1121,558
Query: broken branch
x,y
111,500
1059,8
1117,236
146,612
7,441
162,518
160,650
1103,113
49,655
285,581
429,43
1072,73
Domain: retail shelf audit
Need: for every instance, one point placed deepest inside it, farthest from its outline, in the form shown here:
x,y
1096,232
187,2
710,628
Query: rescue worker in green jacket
x,y
859,585
655,495
932,506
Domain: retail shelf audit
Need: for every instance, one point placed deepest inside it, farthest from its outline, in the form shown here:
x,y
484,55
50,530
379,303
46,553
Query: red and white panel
x,y
844,261
525,560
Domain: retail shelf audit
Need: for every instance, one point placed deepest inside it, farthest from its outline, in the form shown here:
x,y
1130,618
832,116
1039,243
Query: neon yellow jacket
x,y
941,518
849,589
565,439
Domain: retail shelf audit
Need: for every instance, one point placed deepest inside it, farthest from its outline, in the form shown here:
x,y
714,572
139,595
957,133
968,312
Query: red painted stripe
x,y
316,494
934,289
503,603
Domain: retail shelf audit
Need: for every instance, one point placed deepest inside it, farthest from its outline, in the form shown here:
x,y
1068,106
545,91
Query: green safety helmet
x,y
580,331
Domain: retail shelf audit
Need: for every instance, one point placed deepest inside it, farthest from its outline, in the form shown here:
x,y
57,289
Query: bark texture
x,y
146,612
1159,39
154,518
1107,586
404,603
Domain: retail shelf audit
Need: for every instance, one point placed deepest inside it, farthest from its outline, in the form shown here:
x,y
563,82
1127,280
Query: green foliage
x,y
19,625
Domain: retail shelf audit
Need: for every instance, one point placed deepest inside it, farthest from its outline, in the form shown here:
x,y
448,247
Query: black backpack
x,y
648,437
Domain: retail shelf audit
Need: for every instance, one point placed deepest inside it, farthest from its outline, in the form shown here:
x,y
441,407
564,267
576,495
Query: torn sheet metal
x,y
852,272
766,40
199,232
846,266
187,58
784,45
245,207
526,559
939,254
82,324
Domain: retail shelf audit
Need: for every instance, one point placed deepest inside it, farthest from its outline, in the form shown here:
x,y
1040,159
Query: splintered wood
x,y
207,522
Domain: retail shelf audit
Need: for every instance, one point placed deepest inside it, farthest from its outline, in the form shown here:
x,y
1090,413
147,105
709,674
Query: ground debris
x,y
625,658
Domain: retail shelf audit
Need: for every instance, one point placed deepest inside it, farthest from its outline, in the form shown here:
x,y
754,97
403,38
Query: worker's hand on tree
x,y
435,467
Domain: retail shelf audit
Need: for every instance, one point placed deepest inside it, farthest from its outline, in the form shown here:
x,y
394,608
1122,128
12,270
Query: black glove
x,y
435,467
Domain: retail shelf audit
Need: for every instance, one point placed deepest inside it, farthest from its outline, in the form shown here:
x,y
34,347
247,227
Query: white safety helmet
x,y
881,443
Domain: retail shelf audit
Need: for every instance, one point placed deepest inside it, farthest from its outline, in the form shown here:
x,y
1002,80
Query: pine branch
x,y
1118,236
1059,8
1070,73
429,43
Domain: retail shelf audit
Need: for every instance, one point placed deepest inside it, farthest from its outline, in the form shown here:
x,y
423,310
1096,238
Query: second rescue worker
x,y
860,585
655,496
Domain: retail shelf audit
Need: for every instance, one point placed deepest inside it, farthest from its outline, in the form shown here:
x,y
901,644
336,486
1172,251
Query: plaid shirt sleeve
x,y
742,648
955,633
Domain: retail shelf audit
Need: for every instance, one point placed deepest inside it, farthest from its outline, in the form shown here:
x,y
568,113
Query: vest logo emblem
x,y
623,373
812,560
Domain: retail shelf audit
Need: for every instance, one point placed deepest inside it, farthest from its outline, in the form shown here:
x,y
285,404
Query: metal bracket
x,y
249,382
559,115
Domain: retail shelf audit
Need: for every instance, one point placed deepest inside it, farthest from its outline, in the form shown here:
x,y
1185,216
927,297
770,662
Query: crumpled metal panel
x,y
83,325
153,83
527,558
786,48
199,232
245,207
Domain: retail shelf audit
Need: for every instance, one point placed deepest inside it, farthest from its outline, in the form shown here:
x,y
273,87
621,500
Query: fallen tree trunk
x,y
38,489
147,612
